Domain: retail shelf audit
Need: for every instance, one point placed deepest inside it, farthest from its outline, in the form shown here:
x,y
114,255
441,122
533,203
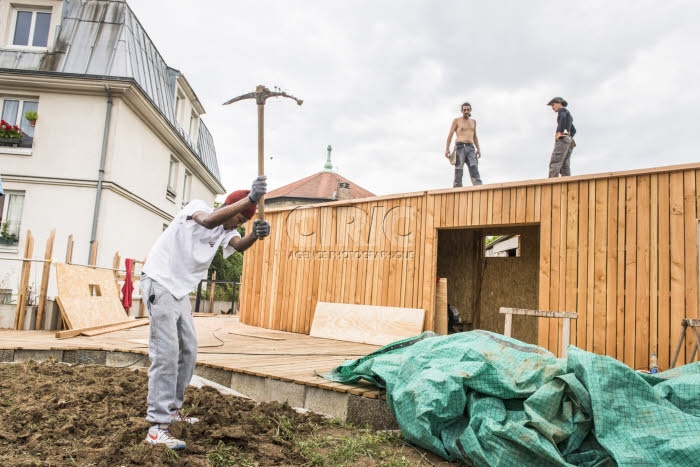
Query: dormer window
x,y
31,27
194,126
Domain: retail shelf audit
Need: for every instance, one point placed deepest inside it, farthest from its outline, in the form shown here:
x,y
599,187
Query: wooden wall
x,y
620,249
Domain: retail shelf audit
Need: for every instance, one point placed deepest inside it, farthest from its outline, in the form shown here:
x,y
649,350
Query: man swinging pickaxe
x,y
260,95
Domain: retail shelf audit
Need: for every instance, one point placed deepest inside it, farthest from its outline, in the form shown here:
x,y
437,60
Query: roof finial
x,y
329,165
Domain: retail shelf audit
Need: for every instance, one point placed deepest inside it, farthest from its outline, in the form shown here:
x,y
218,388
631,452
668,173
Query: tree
x,y
228,269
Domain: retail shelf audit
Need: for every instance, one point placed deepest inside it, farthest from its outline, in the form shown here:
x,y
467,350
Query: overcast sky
x,y
382,80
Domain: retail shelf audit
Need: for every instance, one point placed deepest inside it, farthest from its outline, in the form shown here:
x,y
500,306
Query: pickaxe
x,y
260,95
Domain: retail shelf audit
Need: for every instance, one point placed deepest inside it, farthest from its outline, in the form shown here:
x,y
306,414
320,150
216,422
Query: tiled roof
x,y
104,38
321,186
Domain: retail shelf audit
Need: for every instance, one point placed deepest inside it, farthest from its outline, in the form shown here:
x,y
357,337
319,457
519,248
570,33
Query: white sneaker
x,y
178,417
160,434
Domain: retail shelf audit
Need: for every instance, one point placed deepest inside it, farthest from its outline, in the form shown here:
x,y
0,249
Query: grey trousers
x,y
560,164
172,348
466,153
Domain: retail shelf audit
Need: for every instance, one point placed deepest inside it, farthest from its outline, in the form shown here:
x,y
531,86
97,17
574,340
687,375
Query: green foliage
x,y
225,456
31,115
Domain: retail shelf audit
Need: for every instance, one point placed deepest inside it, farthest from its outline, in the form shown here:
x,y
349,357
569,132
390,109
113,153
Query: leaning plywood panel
x,y
88,296
377,325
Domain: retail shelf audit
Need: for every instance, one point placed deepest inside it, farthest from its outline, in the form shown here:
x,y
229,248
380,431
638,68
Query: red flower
x,y
16,127
3,122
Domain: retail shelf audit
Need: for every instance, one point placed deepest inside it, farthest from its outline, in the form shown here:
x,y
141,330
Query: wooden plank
x,y
538,313
621,268
24,281
630,271
654,265
664,309
92,261
572,224
489,210
497,206
521,205
69,250
553,343
441,307
538,203
102,329
590,281
366,324
545,263
483,209
45,273
530,204
611,273
476,207
677,242
600,255
462,209
429,264
642,351
555,324
582,266
691,253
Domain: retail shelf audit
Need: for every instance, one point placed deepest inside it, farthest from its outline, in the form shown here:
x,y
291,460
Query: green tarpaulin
x,y
483,398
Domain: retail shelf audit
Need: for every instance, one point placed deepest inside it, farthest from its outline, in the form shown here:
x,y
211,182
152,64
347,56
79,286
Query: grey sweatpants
x,y
466,154
172,348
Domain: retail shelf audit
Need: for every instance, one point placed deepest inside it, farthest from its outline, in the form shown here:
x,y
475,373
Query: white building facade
x,y
118,146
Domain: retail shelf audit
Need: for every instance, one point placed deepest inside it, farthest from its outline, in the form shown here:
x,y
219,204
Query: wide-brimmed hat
x,y
558,99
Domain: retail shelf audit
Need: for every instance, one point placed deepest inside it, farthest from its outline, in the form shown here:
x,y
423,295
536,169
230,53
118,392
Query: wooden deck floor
x,y
227,344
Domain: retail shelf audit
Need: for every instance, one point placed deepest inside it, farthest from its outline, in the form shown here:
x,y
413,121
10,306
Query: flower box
x,y
10,141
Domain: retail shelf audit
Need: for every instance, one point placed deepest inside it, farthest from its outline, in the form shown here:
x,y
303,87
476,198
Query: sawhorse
x,y
566,325
693,324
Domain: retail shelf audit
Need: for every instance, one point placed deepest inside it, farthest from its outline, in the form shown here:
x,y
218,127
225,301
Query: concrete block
x,y
93,357
7,316
29,318
217,375
284,391
7,355
51,315
38,355
327,402
127,359
251,386
372,413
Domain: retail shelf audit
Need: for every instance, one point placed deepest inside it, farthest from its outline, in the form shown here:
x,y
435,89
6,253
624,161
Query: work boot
x,y
160,434
178,417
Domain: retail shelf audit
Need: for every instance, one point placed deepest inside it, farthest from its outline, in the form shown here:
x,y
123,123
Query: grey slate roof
x,y
104,38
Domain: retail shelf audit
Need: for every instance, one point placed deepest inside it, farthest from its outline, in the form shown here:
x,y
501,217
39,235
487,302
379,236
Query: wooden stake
x,y
115,265
45,280
69,250
24,280
211,293
93,254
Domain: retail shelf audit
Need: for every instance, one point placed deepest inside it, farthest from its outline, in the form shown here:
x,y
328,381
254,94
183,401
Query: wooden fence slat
x,y
642,352
600,265
582,286
545,263
677,243
611,275
664,311
630,270
691,253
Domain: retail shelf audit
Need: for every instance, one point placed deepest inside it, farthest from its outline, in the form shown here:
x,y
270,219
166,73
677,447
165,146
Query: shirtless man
x,y
467,146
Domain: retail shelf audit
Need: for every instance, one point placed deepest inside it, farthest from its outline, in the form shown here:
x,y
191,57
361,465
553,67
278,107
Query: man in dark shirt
x,y
564,144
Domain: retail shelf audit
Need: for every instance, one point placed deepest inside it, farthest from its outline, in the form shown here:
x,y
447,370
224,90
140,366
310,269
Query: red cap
x,y
238,195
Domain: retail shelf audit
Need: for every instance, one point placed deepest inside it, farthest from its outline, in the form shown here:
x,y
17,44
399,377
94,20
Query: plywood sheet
x,y
377,325
88,296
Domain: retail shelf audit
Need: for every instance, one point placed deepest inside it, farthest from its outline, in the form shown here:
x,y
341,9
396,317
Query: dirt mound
x,y
57,414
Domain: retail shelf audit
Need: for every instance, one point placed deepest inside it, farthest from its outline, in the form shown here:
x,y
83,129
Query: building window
x,y
194,126
186,188
180,101
171,192
13,111
12,221
31,27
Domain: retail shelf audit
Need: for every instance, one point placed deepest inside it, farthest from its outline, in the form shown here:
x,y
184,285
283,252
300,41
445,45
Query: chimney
x,y
343,191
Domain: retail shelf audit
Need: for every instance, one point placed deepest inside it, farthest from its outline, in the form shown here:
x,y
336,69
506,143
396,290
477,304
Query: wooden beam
x,y
44,280
69,250
24,280
538,313
103,329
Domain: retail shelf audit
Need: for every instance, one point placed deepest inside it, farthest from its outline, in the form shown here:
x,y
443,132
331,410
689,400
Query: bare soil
x,y
53,414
